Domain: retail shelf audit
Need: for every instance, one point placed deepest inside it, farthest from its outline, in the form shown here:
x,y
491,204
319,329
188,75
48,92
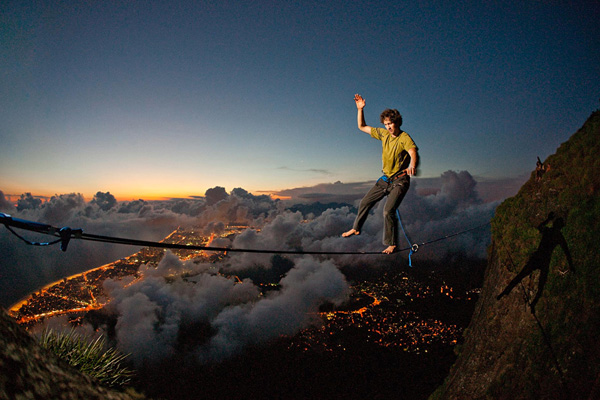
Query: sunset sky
x,y
163,98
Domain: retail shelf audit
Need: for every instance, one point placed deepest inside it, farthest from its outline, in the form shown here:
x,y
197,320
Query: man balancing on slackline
x,y
399,163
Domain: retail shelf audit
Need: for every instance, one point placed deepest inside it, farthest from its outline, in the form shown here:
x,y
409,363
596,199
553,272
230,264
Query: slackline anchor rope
x,y
413,247
66,234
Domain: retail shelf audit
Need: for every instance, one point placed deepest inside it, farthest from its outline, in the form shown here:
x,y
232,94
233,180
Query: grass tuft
x,y
90,357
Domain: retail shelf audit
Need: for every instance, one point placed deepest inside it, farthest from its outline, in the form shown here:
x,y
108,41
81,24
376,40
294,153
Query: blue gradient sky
x,y
166,98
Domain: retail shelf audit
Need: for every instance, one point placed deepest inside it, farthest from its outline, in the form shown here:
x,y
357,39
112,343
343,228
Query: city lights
x,y
382,312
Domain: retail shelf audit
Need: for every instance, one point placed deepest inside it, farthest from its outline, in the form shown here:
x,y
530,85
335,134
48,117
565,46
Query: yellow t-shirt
x,y
394,156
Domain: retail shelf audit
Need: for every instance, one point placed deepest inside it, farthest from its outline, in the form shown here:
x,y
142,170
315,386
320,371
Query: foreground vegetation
x,y
92,357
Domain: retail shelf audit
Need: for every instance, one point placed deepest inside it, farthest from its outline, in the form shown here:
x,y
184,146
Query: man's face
x,y
391,126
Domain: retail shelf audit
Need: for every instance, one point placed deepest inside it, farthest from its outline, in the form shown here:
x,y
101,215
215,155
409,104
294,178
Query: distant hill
x,y
27,371
553,352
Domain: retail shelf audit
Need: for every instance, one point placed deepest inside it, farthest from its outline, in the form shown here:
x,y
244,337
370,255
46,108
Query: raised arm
x,y
541,226
360,117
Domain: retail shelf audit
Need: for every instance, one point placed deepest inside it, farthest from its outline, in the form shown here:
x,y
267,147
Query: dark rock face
x,y
534,331
28,371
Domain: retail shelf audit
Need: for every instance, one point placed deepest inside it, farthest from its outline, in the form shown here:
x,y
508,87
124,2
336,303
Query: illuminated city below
x,y
383,311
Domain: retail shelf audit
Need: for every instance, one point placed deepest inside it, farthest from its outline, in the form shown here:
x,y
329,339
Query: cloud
x,y
308,285
26,268
152,315
325,192
498,189
5,205
314,170
489,189
130,207
283,232
241,207
214,195
105,201
27,201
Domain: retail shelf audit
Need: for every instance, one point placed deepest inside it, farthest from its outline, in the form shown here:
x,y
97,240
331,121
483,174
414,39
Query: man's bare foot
x,y
389,250
350,233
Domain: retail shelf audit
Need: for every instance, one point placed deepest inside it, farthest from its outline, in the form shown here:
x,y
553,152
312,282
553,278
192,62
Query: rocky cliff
x,y
525,345
28,371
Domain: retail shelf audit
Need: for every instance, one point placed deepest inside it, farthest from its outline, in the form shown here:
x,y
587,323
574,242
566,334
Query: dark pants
x,y
395,191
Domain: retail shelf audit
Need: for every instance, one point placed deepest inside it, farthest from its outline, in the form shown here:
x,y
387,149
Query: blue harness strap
x,y
413,247
384,178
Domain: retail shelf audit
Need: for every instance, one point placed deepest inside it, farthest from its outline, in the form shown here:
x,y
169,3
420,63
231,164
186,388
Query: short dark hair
x,y
393,115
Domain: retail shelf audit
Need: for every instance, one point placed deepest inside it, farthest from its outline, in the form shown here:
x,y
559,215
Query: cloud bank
x,y
453,207
211,316
27,268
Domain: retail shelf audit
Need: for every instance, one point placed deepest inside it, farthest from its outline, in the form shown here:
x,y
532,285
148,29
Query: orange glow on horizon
x,y
147,196
277,197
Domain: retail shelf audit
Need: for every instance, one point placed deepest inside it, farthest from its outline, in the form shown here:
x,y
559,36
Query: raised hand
x,y
360,102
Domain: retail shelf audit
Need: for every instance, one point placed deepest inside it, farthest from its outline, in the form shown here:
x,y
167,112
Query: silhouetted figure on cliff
x,y
540,170
540,259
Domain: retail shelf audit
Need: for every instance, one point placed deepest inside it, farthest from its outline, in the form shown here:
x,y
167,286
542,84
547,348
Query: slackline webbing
x,y
65,234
